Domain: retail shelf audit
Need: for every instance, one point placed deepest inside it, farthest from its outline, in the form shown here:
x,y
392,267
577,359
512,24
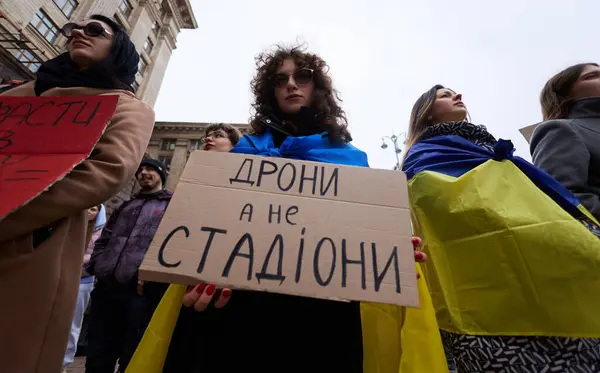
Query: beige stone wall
x,y
21,11
156,72
104,7
139,24
180,156
141,29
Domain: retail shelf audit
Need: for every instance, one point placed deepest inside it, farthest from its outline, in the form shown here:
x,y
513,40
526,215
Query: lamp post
x,y
394,139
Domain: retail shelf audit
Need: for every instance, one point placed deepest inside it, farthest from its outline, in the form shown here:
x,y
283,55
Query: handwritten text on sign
x,y
287,226
42,139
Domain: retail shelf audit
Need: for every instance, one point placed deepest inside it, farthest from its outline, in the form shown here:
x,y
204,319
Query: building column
x,y
153,148
142,26
178,162
105,7
156,70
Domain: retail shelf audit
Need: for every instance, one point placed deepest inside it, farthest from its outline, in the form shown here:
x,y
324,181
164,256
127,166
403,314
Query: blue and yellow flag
x,y
395,339
507,254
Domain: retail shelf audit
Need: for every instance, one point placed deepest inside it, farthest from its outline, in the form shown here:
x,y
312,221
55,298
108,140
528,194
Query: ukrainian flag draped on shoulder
x,y
395,339
507,252
316,148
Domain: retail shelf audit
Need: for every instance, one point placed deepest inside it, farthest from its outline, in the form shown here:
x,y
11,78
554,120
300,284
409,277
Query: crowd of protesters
x,y
59,250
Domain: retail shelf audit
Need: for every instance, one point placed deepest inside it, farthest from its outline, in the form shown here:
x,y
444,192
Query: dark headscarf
x,y
116,71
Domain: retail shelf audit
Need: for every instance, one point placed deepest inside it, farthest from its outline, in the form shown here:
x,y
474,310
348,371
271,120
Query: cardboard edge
x,y
527,131
176,278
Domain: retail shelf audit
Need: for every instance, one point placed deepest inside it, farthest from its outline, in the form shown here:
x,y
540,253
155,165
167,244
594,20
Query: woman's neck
x,y
303,123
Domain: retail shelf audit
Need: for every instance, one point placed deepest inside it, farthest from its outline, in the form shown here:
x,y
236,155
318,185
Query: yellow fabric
x,y
396,339
402,340
504,258
152,351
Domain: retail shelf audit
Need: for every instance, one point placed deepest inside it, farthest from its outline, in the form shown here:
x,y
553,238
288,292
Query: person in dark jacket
x,y
122,305
567,143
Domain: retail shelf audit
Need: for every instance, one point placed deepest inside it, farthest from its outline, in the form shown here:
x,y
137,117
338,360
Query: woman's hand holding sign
x,y
201,295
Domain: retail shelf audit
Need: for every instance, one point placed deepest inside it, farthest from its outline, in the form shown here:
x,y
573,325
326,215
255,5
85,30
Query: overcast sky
x,y
383,54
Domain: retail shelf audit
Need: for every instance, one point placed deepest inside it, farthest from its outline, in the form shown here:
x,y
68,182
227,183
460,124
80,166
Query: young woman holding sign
x,y
258,331
42,243
511,265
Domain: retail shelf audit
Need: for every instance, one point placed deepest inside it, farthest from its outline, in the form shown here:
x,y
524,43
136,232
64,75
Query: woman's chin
x,y
81,57
291,109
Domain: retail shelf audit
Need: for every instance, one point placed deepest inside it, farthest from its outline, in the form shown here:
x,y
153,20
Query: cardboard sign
x,y
528,131
286,226
43,138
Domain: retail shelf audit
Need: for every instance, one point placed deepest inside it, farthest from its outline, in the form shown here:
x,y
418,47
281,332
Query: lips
x,y
291,97
79,43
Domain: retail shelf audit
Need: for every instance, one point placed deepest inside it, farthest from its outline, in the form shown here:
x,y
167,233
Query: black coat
x,y
268,333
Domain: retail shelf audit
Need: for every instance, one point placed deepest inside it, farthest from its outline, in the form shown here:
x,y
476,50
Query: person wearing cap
x,y
121,305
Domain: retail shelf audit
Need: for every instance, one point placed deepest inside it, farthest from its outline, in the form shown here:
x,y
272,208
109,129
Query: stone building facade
x,y
29,35
172,143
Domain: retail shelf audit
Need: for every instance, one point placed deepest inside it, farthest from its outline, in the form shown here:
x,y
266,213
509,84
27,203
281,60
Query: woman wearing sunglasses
x,y
298,115
42,243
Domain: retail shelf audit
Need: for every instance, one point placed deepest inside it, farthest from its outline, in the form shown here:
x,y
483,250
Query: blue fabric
x,y
86,280
101,217
317,148
454,156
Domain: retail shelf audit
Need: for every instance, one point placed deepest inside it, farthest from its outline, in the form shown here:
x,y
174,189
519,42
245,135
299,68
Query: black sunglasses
x,y
92,29
301,77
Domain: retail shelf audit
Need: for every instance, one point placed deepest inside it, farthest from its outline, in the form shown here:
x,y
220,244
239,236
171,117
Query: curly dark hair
x,y
326,99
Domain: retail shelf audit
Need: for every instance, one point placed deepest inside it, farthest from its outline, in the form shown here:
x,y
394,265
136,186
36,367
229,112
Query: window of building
x,y
31,62
142,66
155,28
148,45
195,144
118,20
126,8
44,25
168,144
166,161
67,6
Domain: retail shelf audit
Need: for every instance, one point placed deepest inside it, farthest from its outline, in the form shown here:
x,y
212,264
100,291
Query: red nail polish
x,y
419,255
415,241
200,288
210,290
226,293
418,276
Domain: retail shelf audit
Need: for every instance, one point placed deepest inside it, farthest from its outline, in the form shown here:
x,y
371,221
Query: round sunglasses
x,y
214,135
301,77
92,29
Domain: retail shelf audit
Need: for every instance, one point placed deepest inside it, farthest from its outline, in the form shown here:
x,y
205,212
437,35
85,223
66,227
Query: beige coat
x,y
38,287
